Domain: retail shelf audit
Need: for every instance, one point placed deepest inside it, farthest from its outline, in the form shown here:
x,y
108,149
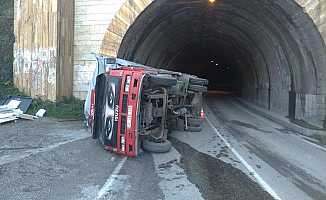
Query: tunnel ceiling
x,y
272,46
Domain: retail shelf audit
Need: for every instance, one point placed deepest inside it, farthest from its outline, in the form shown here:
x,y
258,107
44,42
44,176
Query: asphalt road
x,y
236,156
291,165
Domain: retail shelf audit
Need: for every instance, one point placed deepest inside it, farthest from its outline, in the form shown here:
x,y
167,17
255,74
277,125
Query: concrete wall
x,y
312,107
317,11
6,39
92,18
99,28
309,100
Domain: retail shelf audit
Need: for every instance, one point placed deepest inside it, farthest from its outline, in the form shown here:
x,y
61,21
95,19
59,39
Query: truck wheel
x,y
162,80
198,88
155,147
101,136
100,139
194,129
198,81
194,122
180,125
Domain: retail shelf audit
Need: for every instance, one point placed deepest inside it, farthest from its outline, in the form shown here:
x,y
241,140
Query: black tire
x,y
198,88
194,122
162,80
198,81
155,147
194,129
180,125
172,125
100,139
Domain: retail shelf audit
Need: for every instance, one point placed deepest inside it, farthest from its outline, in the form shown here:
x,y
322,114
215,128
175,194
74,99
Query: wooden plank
x,y
36,47
6,115
9,119
65,48
27,117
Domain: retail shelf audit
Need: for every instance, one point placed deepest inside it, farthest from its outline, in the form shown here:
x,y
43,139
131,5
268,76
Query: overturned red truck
x,y
135,107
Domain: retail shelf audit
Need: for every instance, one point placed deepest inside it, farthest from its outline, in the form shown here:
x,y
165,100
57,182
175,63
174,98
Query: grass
x,y
67,108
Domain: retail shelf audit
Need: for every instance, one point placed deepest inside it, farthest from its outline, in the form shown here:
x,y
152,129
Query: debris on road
x,y
27,117
14,107
17,102
40,113
8,118
9,111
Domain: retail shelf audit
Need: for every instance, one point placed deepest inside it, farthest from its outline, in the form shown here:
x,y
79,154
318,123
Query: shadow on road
x,y
215,178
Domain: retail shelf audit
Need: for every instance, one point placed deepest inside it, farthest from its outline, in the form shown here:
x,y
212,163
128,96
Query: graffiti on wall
x,y
37,69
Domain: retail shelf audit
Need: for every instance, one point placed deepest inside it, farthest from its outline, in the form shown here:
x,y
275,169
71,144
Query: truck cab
x,y
136,107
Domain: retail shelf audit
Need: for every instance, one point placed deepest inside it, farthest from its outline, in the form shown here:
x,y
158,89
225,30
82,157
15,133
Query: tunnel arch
x,y
274,49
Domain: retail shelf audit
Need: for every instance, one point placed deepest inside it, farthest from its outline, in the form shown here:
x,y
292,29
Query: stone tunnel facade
x,y
275,48
278,46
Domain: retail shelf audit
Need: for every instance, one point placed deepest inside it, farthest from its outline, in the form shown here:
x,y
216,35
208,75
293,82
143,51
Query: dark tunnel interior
x,y
207,62
267,50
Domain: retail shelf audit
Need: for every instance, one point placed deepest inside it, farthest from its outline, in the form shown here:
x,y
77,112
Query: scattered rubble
x,y
17,102
14,107
40,113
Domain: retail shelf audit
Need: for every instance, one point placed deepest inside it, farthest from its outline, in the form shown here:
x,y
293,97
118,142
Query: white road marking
x,y
109,184
251,170
21,155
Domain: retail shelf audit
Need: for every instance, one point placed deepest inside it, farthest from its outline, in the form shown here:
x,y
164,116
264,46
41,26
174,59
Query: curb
x,y
277,119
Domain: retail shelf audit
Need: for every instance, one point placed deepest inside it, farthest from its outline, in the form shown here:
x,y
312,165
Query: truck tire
x,y
198,81
198,88
194,129
155,147
194,122
162,80
101,136
100,140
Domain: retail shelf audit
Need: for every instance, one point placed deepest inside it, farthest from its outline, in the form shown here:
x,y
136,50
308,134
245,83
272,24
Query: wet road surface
x,y
215,178
294,168
47,159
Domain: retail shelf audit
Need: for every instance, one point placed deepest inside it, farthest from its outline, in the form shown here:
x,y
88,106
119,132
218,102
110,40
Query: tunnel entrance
x,y
269,51
208,62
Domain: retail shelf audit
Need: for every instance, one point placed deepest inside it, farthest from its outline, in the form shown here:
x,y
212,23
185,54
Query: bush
x,y
67,108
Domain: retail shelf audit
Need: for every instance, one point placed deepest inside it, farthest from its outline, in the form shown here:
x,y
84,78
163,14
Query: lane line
x,y
21,155
251,170
107,187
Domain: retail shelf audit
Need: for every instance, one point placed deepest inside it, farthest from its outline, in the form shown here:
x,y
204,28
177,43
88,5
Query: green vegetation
x,y
7,38
68,108
8,89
